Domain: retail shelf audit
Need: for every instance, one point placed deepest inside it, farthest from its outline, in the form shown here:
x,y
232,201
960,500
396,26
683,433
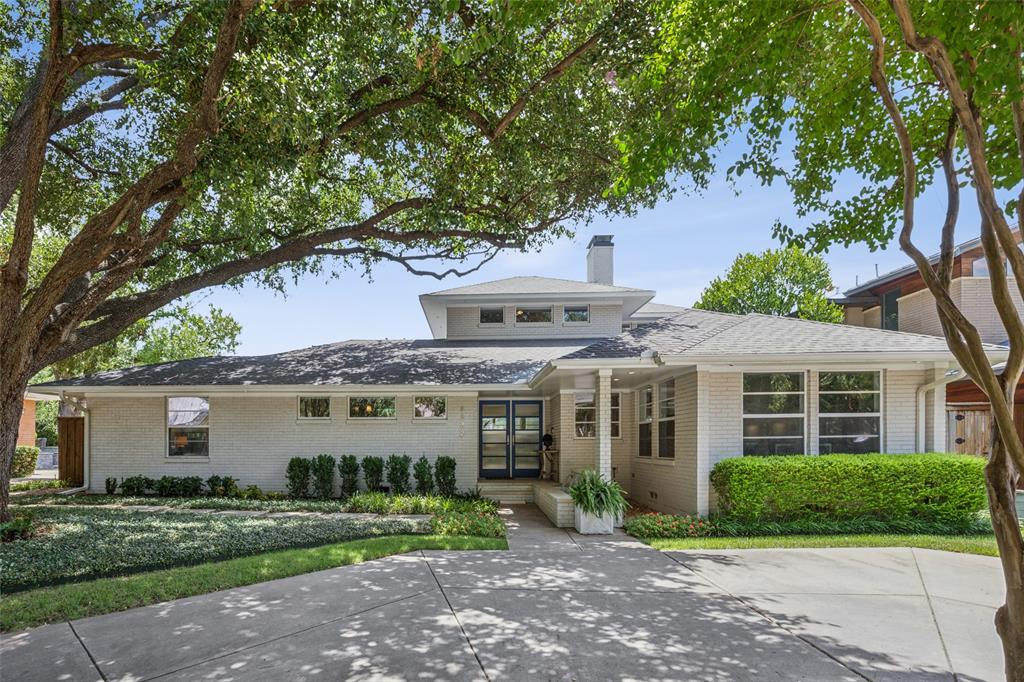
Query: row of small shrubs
x,y
24,463
939,488
314,477
174,486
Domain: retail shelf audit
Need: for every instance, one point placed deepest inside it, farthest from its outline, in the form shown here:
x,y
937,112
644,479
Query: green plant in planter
x,y
594,495
348,469
444,475
421,471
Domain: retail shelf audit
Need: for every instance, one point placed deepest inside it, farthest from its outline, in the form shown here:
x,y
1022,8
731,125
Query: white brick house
x,y
650,394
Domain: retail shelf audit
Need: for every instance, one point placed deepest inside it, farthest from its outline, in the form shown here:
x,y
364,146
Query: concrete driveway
x,y
558,606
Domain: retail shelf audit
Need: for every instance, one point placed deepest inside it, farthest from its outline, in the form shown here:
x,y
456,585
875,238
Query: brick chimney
x,y
600,259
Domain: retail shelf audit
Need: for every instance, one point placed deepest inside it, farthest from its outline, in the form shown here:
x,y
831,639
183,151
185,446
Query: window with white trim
x,y
188,426
849,412
645,405
314,407
586,415
576,314
492,315
371,407
616,416
430,407
773,413
667,419
533,315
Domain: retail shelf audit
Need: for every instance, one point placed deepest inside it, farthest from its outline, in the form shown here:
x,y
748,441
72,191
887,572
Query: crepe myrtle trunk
x,y
1000,483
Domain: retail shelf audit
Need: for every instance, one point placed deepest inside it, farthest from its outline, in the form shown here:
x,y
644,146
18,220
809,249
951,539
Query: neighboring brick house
x,y
655,406
899,300
27,425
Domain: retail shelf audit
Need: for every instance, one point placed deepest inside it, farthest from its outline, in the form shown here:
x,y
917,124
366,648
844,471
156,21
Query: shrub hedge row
x,y
931,487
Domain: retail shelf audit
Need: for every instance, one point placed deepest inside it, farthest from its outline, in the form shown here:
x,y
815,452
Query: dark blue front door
x,y
510,438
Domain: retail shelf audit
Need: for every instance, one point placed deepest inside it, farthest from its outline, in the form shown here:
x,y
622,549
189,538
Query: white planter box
x,y
588,524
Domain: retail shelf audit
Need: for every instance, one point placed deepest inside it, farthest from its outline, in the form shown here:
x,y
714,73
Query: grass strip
x,y
965,544
107,595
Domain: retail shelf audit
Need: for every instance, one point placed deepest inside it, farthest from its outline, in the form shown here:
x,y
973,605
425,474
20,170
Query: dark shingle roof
x,y
379,362
706,333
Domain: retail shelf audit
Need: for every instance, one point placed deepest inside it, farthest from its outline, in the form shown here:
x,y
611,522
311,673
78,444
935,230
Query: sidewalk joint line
x,y
935,620
458,622
87,652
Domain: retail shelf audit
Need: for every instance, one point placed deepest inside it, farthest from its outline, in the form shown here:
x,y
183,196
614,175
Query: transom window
x,y
188,426
372,407
586,416
314,407
646,410
492,315
533,315
773,413
578,314
849,412
430,407
666,419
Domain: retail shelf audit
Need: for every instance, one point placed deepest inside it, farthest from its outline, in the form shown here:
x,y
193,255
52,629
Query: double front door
x,y
510,438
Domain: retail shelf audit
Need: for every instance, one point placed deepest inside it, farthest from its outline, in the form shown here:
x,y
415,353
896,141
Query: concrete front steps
x,y
507,491
553,501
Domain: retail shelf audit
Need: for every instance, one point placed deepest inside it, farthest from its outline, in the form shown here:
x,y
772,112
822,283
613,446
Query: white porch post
x,y
603,400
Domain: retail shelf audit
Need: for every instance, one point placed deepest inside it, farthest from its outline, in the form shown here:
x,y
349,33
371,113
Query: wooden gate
x,y
71,449
968,428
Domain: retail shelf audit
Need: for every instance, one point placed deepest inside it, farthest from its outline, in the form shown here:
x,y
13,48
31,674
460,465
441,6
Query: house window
x,y
667,419
586,415
646,404
371,408
980,268
492,315
430,407
849,412
891,310
533,315
576,314
616,417
188,426
773,413
314,407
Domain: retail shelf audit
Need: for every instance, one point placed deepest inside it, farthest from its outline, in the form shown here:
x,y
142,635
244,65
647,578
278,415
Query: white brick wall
x,y
918,314
464,323
252,438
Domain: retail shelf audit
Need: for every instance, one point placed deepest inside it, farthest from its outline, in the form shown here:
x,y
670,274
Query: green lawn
x,y
106,595
81,543
965,544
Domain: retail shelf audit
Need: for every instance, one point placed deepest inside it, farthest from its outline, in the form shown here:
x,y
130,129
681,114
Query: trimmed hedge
x,y
24,463
934,487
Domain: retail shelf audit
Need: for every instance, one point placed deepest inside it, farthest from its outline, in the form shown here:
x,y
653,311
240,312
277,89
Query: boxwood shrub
x,y
24,463
940,488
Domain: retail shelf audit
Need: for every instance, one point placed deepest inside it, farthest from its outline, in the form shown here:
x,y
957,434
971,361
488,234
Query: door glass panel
x,y
528,410
495,411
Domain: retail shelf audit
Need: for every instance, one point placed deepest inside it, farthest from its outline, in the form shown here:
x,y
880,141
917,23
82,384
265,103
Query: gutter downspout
x,y
85,453
922,432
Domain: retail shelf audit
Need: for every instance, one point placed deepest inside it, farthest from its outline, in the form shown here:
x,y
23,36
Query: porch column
x,y
603,400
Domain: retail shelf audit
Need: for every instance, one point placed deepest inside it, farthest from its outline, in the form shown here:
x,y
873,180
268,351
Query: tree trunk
x,y
1000,480
12,394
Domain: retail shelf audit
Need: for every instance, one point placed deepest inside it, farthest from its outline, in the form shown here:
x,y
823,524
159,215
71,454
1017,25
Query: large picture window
x,y
646,413
849,412
773,413
533,315
576,314
667,419
371,408
492,315
188,426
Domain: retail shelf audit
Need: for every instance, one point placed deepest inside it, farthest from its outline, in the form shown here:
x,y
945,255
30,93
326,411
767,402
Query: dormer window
x,y
492,315
533,315
576,314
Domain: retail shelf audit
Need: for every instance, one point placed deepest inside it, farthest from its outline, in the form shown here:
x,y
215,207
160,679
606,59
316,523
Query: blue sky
x,y
676,248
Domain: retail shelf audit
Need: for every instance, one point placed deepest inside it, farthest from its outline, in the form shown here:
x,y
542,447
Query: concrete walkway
x,y
557,606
